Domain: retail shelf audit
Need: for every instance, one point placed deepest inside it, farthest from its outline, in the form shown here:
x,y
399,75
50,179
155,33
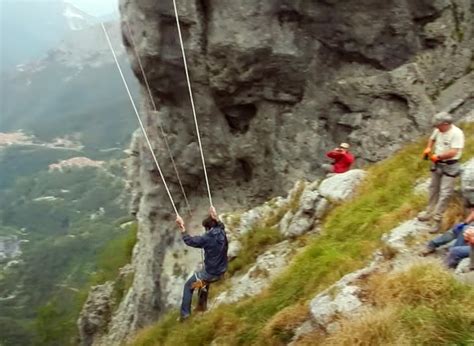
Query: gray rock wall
x,y
276,84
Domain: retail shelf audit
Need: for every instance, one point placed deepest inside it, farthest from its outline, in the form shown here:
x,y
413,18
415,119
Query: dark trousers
x,y
188,290
458,251
454,233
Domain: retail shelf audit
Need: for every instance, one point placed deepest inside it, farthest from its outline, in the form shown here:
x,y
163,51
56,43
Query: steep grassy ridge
x,y
350,235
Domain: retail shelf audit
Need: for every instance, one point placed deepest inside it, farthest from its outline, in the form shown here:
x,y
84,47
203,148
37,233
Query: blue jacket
x,y
214,242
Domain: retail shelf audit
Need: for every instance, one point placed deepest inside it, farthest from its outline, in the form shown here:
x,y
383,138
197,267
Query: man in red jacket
x,y
343,159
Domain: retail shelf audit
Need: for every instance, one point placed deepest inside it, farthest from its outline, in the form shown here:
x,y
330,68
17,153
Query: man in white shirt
x,y
444,149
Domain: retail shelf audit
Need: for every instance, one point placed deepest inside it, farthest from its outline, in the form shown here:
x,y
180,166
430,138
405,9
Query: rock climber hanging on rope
x,y
214,243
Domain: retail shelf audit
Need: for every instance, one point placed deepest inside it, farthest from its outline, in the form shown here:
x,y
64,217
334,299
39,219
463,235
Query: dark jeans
x,y
456,232
188,290
457,254
458,251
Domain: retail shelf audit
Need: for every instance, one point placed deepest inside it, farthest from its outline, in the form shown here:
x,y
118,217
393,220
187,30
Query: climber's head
x,y
209,223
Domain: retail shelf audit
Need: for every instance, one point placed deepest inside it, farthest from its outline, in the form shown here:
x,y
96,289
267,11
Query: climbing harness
x,y
198,283
139,120
203,292
165,138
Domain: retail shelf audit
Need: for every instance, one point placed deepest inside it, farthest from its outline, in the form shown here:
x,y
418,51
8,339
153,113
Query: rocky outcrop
x,y
96,313
316,199
276,83
341,186
259,276
341,300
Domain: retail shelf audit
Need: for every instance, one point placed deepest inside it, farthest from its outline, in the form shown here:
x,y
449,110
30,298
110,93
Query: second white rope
x,y
192,100
163,134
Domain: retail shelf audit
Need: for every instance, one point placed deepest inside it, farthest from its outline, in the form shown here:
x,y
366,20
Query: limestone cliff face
x,y
276,84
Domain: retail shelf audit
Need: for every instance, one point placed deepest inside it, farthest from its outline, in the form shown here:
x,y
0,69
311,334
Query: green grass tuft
x,y
254,243
115,255
424,305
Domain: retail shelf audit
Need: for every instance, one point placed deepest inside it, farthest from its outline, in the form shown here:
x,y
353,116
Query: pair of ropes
x,y
155,109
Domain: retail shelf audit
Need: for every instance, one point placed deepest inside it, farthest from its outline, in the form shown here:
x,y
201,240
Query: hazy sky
x,y
92,7
96,7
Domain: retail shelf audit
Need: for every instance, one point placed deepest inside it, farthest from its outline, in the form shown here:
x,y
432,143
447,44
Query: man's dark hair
x,y
208,223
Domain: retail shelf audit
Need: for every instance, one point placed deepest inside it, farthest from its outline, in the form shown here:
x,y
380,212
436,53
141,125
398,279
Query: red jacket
x,y
342,160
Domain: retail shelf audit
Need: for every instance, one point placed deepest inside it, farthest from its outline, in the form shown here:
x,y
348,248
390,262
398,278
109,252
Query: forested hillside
x,y
64,220
65,119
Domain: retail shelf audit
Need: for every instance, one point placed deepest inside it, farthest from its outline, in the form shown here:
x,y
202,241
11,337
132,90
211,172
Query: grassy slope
x,y
422,306
351,233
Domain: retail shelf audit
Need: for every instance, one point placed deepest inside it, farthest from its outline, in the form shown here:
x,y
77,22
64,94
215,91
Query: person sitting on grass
x,y
460,249
469,238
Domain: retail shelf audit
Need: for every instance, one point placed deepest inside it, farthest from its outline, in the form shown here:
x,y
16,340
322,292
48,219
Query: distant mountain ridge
x,y
74,90
76,18
64,119
29,29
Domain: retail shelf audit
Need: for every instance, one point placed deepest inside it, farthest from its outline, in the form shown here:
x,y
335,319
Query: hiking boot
x,y
427,251
435,227
182,318
424,216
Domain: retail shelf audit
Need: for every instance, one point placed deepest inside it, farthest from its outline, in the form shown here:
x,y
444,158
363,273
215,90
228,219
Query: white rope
x,y
165,138
192,100
138,117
